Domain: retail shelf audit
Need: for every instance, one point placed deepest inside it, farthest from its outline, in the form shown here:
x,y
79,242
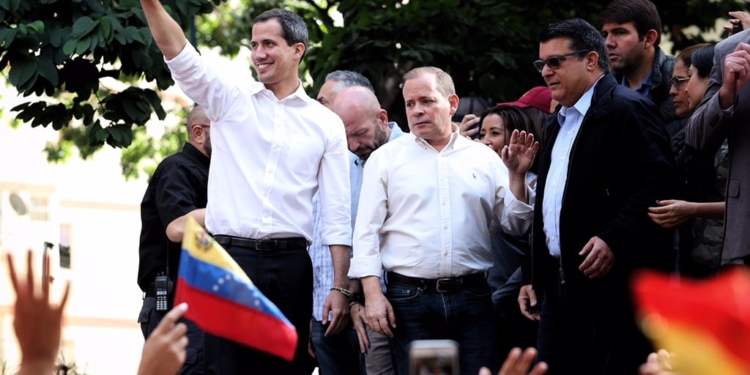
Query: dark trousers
x,y
589,328
337,354
285,278
513,329
465,316
149,318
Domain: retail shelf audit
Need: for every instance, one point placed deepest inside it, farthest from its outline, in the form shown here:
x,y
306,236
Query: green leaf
x,y
14,5
35,27
101,134
105,25
48,70
70,46
21,71
5,4
83,26
95,37
83,46
7,36
57,36
155,102
133,34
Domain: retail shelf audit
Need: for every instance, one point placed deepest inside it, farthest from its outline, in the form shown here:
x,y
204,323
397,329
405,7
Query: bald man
x,y
365,122
335,342
177,190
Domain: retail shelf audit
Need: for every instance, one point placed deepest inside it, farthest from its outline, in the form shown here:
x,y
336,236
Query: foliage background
x,y
59,53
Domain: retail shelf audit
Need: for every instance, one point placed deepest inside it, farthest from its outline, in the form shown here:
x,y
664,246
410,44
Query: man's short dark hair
x,y
581,37
348,78
293,27
642,13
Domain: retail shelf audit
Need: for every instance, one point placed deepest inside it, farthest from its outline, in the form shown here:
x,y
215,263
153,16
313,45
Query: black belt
x,y
442,285
262,245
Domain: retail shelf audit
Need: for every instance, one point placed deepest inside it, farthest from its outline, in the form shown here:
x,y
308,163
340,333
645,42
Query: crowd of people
x,y
497,226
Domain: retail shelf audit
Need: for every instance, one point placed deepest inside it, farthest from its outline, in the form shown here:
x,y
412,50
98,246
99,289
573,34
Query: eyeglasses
x,y
555,62
676,82
201,125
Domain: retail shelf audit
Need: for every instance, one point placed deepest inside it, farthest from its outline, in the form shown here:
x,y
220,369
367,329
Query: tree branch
x,y
323,13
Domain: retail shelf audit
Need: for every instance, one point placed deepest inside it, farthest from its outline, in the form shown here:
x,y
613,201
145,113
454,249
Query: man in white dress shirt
x,y
426,204
274,148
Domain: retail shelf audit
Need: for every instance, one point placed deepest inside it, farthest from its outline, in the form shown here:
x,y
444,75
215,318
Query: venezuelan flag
x,y
224,302
705,323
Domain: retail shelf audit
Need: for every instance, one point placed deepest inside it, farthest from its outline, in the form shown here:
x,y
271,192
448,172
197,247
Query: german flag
x,y
704,323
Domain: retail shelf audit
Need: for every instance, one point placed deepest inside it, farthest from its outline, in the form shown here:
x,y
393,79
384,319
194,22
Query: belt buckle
x,y
263,245
446,285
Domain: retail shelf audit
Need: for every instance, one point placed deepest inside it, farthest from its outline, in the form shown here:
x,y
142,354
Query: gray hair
x,y
348,78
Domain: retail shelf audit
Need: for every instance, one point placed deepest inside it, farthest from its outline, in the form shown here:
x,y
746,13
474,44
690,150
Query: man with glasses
x,y
632,32
177,190
606,159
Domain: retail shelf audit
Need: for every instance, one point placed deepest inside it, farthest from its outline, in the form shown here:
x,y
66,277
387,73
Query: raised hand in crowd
x,y
469,126
528,303
164,351
519,154
738,17
37,322
659,363
518,363
736,74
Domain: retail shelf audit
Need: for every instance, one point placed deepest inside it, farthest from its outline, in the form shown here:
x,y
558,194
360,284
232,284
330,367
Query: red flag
x,y
705,323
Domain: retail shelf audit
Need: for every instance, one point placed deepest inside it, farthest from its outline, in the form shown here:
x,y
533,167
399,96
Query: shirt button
x,y
553,239
569,133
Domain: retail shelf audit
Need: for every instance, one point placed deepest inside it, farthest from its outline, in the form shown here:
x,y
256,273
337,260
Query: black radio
x,y
162,288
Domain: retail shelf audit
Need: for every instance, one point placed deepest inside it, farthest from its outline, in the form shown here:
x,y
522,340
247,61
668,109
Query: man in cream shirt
x,y
427,201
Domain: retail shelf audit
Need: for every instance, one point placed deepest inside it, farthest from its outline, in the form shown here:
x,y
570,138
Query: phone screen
x,y
433,357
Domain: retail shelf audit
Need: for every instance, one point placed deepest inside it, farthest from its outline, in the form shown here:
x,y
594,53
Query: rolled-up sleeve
x,y
334,189
371,214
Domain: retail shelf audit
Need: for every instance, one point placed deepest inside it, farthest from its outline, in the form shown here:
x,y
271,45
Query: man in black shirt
x,y
177,190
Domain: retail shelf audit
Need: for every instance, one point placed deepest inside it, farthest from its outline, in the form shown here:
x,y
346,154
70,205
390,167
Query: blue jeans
x,y
337,354
465,316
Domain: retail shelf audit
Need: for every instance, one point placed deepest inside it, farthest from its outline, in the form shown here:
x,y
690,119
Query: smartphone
x,y
433,357
736,27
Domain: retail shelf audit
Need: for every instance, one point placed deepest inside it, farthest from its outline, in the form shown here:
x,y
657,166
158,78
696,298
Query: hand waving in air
x,y
519,154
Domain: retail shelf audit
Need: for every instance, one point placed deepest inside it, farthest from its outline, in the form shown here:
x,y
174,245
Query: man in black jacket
x,y
176,190
606,159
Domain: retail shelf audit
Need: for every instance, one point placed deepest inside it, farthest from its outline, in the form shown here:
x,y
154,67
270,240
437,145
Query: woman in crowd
x,y
514,330
698,216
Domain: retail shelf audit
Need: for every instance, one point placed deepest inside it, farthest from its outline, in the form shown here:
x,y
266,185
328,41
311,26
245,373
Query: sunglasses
x,y
677,82
555,62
